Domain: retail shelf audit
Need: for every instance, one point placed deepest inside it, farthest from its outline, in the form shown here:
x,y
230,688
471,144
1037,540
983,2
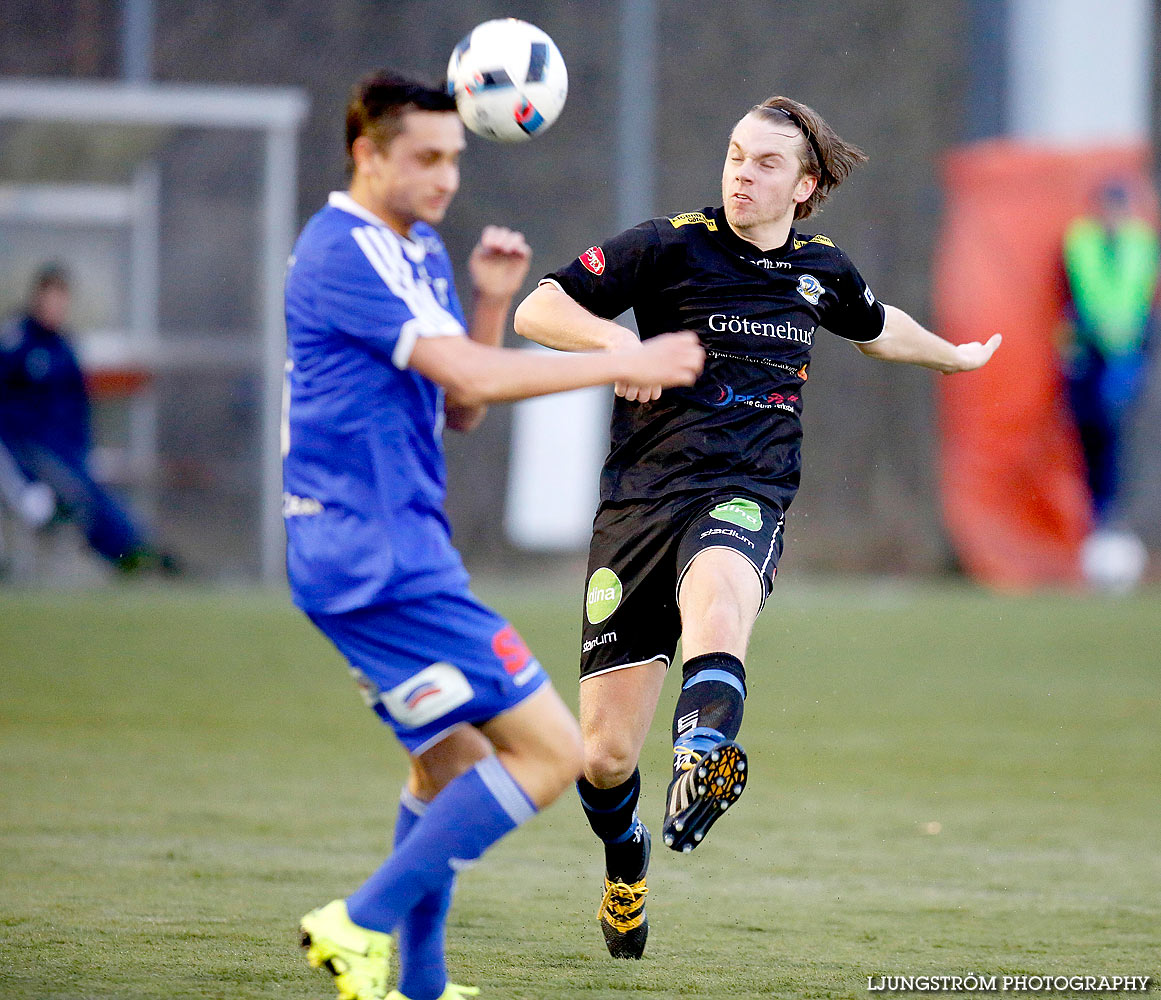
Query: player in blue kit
x,y
380,356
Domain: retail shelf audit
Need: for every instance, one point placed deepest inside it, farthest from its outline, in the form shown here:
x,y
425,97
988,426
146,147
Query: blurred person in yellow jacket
x,y
1111,267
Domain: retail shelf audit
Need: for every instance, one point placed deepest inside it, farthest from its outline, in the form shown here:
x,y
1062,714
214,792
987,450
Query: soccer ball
x,y
509,80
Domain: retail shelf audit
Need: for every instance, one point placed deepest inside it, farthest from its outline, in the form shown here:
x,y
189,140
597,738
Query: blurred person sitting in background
x,y
45,429
1111,267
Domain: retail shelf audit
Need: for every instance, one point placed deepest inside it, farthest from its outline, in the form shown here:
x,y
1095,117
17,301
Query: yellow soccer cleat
x,y
622,914
358,958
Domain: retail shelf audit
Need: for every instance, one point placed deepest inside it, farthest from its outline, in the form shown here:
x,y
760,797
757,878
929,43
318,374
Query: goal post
x,y
276,115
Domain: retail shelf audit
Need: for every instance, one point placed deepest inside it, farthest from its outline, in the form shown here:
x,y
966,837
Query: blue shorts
x,y
426,666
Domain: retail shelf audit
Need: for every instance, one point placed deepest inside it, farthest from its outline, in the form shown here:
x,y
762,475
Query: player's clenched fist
x,y
499,263
669,359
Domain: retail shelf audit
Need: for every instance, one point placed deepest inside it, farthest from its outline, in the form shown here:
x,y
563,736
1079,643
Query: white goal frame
x,y
277,113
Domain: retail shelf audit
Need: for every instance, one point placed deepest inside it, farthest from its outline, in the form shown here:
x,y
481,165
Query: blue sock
x,y
422,968
460,824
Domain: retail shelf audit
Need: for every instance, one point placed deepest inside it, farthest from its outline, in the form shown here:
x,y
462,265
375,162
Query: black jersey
x,y
757,314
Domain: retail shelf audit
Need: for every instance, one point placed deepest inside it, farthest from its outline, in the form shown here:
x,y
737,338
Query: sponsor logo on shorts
x,y
729,533
602,596
511,650
600,640
744,513
810,288
594,260
429,695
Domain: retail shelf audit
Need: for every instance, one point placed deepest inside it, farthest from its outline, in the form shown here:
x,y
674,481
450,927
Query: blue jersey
x,y
363,464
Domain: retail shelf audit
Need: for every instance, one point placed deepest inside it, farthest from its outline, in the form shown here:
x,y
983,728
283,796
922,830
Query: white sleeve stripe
x,y
550,281
417,294
408,335
429,318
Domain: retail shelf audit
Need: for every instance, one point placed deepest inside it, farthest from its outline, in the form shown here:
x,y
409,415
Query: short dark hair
x,y
50,275
827,157
379,101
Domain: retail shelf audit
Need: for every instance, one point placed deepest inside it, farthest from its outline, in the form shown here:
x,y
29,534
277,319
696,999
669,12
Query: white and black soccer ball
x,y
509,80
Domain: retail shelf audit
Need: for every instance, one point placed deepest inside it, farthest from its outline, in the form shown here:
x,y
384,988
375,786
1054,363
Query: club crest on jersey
x,y
810,288
594,260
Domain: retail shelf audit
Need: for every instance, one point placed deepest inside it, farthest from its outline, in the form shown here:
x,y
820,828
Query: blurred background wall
x,y
905,80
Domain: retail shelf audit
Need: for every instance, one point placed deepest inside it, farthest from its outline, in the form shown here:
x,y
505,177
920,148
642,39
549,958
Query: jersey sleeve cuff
x,y
410,333
870,340
882,330
551,281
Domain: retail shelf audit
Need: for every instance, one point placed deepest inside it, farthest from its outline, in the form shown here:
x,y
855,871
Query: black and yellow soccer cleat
x,y
622,914
706,787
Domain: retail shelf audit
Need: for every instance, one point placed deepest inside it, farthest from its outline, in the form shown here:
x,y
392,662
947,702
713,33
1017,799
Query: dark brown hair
x,y
826,156
51,275
378,103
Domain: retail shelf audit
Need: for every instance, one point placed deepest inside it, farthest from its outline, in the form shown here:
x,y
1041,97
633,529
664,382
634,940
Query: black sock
x,y
612,813
709,710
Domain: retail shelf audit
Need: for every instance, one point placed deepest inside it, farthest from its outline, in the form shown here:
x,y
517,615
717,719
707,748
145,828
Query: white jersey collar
x,y
342,200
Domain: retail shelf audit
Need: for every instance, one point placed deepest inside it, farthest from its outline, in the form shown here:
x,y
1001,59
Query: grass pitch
x,y
942,782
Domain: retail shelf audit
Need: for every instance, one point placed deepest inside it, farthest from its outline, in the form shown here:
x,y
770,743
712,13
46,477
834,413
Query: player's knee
x,y
722,621
608,763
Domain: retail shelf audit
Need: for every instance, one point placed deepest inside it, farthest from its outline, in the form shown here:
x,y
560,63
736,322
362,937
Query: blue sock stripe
x,y
699,740
411,802
628,833
702,733
507,793
724,676
593,809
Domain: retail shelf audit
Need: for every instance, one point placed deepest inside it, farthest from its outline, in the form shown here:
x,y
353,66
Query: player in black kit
x,y
688,534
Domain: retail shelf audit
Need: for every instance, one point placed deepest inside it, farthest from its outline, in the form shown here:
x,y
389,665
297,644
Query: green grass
x,y
184,773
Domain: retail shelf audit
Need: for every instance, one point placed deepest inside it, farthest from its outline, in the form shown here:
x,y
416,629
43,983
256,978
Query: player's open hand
x,y
975,355
669,359
499,263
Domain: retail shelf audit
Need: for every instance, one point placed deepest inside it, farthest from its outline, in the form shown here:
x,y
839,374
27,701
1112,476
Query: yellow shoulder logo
x,y
694,218
824,240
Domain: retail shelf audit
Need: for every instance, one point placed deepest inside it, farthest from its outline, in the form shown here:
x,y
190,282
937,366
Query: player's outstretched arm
x,y
551,317
555,319
903,339
475,374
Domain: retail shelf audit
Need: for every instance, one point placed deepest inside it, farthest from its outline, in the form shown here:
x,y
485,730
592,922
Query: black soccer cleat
x,y
708,786
622,913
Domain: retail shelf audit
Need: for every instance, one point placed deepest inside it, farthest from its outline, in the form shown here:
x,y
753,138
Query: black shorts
x,y
637,558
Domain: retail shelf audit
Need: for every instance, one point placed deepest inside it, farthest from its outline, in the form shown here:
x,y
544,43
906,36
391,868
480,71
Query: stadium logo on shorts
x,y
744,513
594,260
603,595
810,288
